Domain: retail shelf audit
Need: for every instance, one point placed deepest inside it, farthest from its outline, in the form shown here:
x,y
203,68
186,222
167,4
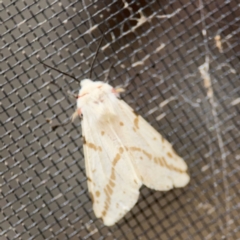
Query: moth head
x,y
97,99
93,88
86,82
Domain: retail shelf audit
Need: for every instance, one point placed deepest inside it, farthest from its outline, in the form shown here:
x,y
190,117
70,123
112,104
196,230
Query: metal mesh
x,y
181,62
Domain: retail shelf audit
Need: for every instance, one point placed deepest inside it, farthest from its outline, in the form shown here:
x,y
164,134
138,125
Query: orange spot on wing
x,y
121,123
102,133
169,154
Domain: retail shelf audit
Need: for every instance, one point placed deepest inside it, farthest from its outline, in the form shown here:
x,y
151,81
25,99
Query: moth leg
x,y
118,90
76,113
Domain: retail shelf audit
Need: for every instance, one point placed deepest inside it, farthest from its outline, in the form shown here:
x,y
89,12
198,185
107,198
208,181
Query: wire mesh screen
x,y
179,61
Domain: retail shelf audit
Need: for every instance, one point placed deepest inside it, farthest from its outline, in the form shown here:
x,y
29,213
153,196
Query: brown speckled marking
x,y
154,139
164,162
121,123
135,149
97,193
104,213
102,133
170,167
147,154
113,176
109,189
91,145
120,150
106,206
84,140
136,121
169,154
111,183
89,179
116,159
161,162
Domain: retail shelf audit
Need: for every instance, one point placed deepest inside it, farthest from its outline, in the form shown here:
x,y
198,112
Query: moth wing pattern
x,y
112,182
155,161
122,151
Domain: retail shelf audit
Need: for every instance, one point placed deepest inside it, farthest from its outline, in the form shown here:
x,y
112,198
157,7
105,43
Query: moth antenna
x,y
63,90
64,73
107,74
91,67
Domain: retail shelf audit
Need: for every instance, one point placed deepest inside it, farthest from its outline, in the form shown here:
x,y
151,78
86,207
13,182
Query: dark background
x,y
43,190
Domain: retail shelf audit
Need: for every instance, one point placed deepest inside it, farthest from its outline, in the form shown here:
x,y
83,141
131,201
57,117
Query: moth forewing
x,y
122,152
113,184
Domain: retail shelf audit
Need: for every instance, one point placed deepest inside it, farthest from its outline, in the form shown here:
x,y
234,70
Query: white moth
x,y
122,152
